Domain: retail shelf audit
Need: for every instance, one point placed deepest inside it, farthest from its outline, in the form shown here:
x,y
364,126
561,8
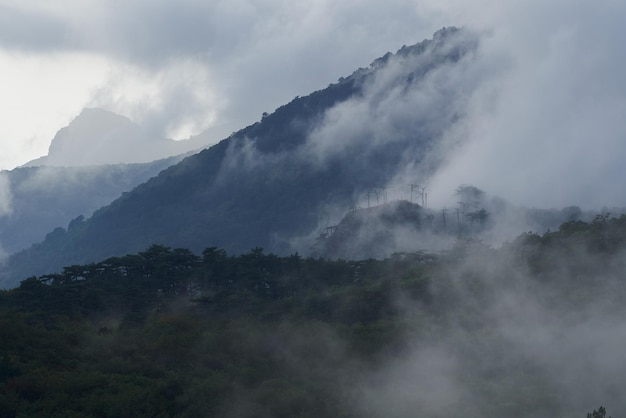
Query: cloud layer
x,y
548,130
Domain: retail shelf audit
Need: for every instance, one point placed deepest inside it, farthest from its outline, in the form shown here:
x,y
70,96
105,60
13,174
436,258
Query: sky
x,y
546,129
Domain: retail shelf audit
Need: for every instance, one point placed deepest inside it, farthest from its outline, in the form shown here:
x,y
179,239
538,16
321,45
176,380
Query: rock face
x,y
97,137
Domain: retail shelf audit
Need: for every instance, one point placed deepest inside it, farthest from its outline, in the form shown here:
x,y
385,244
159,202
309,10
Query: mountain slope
x,y
42,198
274,183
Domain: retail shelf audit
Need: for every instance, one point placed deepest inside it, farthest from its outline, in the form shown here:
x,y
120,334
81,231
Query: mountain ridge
x,y
46,197
272,183
98,137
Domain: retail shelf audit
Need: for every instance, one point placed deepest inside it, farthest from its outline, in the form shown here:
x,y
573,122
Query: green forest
x,y
529,329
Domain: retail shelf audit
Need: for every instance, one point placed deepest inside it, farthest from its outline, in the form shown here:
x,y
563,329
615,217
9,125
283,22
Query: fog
x,y
405,103
509,332
547,131
494,338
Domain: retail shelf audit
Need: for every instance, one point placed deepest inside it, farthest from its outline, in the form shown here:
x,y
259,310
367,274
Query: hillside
x,y
274,183
43,197
399,226
530,329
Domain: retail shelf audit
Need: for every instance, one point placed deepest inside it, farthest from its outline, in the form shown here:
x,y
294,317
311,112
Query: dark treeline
x,y
166,332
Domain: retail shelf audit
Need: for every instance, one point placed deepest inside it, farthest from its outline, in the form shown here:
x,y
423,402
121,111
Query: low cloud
x,y
411,100
180,68
423,383
6,206
176,101
548,132
502,340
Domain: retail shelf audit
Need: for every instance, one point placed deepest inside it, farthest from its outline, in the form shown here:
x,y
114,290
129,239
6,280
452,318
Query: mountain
x,y
42,197
90,163
97,137
275,183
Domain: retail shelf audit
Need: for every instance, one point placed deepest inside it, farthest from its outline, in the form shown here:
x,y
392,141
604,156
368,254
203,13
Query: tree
x,y
470,197
600,413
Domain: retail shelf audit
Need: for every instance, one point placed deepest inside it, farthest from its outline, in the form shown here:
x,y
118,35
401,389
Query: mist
x,y
546,131
517,332
426,119
497,335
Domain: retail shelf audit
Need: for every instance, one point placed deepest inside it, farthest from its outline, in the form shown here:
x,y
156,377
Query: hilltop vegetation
x,y
525,330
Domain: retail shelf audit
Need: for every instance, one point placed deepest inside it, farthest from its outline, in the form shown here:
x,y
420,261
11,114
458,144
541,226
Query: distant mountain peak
x,y
92,130
94,115
97,136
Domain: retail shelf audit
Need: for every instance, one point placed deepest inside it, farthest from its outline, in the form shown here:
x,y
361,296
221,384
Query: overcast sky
x,y
556,103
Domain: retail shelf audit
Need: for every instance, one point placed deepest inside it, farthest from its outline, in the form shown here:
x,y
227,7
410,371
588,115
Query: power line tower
x,y
377,193
368,195
414,187
424,196
383,191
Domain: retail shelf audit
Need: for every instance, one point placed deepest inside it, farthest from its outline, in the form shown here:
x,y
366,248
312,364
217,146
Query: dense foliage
x,y
167,333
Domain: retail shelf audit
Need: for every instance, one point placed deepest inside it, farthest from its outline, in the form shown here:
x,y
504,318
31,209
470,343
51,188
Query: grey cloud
x,y
423,383
547,131
260,54
186,100
516,332
31,30
154,32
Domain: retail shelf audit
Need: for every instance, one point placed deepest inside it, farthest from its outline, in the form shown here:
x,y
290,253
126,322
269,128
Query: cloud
x,y
192,65
411,99
40,96
548,132
176,101
17,30
499,340
423,383
543,129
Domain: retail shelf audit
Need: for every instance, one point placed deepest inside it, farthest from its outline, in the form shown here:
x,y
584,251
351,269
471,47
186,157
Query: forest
x,y
532,328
